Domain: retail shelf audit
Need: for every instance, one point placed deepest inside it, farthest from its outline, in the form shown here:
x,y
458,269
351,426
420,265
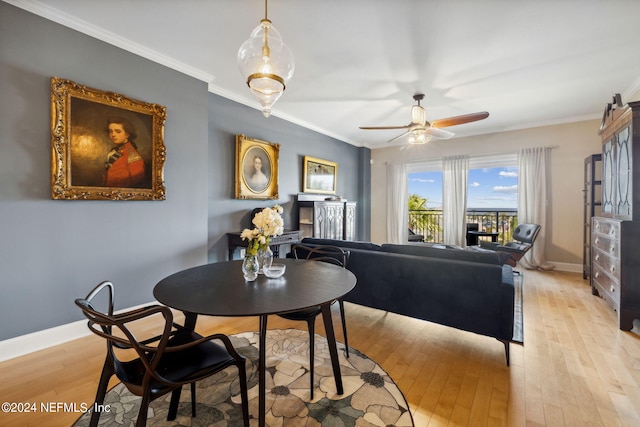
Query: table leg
x,y
333,350
262,361
190,320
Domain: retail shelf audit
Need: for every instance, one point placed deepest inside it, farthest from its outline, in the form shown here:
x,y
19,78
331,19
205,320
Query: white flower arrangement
x,y
268,223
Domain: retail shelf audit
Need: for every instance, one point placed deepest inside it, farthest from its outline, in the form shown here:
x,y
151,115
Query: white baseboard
x,y
35,341
563,266
25,344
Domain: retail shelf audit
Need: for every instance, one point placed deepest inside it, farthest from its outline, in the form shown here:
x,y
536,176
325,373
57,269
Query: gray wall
x,y
228,118
52,252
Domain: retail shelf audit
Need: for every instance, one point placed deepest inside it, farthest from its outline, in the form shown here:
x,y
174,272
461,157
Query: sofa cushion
x,y
443,252
342,243
466,295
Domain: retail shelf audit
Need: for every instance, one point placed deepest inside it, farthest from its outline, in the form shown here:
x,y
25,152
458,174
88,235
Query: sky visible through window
x,y
491,188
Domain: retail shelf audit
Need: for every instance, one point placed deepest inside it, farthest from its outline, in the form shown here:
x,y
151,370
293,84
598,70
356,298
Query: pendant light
x,y
266,63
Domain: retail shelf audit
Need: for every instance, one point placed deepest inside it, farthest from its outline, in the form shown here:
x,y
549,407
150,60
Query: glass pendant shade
x,y
266,63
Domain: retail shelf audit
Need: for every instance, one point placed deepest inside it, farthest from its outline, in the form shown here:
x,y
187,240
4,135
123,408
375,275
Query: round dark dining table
x,y
219,289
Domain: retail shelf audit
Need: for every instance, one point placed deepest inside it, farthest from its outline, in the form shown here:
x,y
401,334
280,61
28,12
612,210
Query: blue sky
x,y
488,188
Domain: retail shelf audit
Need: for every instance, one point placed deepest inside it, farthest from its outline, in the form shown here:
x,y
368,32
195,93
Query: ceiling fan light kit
x,y
419,136
420,131
266,63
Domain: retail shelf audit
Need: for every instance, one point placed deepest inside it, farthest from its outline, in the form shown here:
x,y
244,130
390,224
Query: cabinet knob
x,y
597,240
597,257
597,274
612,289
612,249
612,268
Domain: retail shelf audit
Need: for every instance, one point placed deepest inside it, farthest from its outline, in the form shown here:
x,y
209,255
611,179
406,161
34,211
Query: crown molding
x,y
45,11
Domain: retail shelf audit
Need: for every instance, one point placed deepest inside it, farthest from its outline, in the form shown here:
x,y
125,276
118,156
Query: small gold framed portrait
x,y
256,169
105,146
319,176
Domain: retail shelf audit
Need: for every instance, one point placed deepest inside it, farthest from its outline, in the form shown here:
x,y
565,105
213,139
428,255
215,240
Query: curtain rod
x,y
495,153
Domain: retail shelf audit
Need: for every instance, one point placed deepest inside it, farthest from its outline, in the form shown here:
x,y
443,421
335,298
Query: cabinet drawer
x,y
606,227
606,244
607,263
610,286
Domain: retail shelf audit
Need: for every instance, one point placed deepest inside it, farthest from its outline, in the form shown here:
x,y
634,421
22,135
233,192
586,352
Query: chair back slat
x,y
327,253
107,324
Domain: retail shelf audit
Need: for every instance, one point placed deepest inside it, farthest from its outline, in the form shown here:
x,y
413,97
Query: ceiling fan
x,y
420,131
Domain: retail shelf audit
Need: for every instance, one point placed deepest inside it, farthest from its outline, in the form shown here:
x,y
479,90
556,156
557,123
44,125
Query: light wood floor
x,y
576,367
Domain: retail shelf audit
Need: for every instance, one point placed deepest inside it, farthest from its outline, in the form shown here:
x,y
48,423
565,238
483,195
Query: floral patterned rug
x,y
370,396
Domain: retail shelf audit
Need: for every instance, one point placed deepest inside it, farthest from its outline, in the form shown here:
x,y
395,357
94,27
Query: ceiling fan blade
x,y
458,120
439,133
384,127
399,136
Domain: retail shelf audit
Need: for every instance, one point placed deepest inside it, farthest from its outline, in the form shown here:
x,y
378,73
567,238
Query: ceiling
x,y
359,62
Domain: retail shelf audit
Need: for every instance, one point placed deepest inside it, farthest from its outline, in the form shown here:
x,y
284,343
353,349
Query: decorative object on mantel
x,y
268,223
256,169
105,146
319,176
266,63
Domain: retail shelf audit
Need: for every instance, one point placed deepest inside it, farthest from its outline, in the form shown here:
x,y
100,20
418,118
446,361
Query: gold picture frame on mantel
x,y
256,169
320,176
105,146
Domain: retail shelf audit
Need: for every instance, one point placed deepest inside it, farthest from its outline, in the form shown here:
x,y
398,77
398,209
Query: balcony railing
x,y
429,223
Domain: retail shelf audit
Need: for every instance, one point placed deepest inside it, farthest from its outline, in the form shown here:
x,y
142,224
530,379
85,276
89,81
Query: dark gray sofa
x,y
467,290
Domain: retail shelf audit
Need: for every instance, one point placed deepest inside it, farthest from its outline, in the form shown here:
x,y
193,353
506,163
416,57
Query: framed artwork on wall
x,y
256,169
105,146
319,176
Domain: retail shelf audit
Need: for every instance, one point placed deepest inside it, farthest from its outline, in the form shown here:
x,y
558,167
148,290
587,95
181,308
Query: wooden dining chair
x,y
163,363
324,253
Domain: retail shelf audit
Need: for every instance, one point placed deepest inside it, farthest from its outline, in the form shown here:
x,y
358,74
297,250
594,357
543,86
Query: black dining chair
x,y
155,366
323,253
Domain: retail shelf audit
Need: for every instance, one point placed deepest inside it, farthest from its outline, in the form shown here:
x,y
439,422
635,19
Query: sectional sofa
x,y
463,289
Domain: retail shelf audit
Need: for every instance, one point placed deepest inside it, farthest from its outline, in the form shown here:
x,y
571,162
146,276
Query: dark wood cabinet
x,y
592,206
615,258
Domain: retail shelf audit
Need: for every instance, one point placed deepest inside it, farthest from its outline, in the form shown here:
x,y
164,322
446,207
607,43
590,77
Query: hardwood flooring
x,y
576,367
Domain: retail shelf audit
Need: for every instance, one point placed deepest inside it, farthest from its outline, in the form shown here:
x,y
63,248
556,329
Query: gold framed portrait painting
x,y
105,146
256,169
319,176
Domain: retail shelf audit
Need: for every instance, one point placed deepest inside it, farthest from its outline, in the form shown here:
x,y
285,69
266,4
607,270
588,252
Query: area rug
x,y
370,396
518,334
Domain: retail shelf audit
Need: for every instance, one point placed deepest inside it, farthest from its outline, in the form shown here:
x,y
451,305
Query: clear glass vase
x,y
250,267
265,257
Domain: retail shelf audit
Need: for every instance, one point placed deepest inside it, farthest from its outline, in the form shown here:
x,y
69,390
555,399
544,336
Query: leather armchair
x,y
523,238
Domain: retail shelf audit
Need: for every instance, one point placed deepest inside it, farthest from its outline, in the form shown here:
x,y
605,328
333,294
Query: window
x,y
493,188
492,195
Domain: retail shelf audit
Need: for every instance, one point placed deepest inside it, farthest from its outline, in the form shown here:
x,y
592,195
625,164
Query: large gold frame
x,y
80,144
265,183
319,176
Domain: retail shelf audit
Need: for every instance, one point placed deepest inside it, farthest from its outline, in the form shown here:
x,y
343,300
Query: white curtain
x,y
397,203
532,202
455,177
